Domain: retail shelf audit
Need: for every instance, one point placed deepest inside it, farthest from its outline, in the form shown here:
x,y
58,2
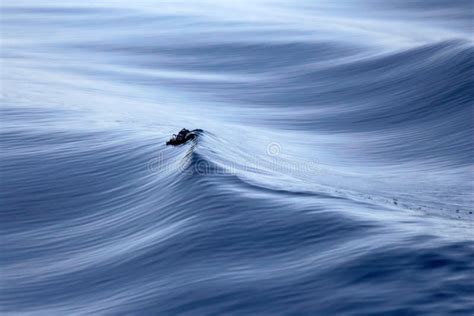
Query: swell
x,y
176,225
333,176
419,97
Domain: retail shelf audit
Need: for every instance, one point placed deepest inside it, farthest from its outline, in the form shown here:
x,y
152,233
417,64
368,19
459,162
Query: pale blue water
x,y
333,176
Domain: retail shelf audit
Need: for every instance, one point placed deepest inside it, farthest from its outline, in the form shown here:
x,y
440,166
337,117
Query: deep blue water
x,y
334,175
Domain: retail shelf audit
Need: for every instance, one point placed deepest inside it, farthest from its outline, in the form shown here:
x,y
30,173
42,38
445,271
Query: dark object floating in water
x,y
183,136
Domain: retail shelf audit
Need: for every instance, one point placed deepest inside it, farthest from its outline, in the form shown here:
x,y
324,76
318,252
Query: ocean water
x,y
334,174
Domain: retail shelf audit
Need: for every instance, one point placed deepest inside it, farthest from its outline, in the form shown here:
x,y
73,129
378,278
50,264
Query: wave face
x,y
333,176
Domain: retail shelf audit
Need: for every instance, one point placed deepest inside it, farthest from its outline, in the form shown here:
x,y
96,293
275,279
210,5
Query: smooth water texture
x,y
333,176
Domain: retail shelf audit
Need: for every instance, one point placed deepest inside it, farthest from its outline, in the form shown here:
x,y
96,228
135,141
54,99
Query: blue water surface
x,y
334,174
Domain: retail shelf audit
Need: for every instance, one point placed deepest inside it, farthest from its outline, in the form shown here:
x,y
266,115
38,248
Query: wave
x,y
333,174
